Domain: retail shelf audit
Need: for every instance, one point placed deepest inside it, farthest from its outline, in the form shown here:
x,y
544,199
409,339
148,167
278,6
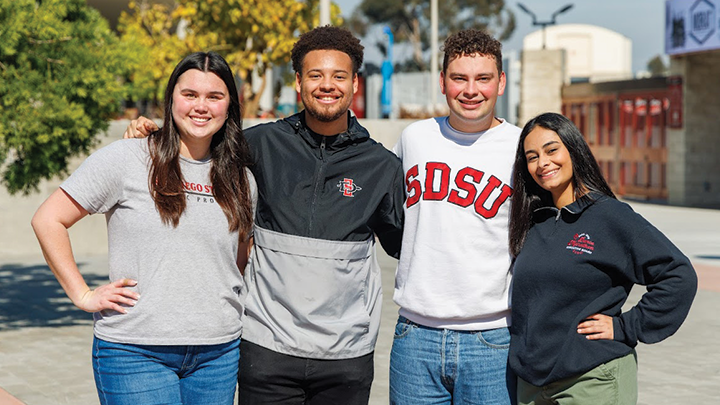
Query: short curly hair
x,y
471,42
327,38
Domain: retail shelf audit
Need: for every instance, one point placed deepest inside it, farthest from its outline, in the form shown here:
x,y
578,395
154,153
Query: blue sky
x,y
640,20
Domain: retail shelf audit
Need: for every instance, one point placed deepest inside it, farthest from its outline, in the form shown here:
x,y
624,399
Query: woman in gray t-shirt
x,y
179,208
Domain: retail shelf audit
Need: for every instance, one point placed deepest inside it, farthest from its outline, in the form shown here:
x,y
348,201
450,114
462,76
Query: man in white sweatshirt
x,y
453,279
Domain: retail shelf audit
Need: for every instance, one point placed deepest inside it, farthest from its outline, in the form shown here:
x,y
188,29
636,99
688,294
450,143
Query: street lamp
x,y
324,12
544,24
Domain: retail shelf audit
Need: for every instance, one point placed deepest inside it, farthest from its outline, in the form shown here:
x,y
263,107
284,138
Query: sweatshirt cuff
x,y
618,332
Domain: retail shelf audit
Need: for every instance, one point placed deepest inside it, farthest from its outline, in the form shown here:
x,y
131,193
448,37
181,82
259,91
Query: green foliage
x,y
149,33
253,35
410,20
656,66
59,69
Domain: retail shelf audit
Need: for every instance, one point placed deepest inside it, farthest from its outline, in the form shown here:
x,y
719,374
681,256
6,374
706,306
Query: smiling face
x,y
199,109
549,164
326,86
471,85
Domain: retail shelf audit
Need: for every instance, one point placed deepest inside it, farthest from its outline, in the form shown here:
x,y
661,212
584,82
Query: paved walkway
x,y
45,341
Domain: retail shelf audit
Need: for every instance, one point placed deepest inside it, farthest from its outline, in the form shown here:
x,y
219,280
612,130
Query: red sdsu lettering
x,y
430,169
466,182
469,189
414,191
493,183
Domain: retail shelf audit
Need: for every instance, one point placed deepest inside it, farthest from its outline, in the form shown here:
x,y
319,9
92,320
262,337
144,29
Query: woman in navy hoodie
x,y
577,253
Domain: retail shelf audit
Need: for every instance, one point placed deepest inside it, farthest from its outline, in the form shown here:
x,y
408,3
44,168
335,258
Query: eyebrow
x,y
195,91
458,74
334,71
544,146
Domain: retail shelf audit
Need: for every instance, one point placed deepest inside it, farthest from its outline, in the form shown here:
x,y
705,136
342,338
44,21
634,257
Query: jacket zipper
x,y
318,183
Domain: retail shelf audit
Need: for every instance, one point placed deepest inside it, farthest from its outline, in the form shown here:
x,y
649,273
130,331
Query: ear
x,y
298,79
355,83
501,85
442,82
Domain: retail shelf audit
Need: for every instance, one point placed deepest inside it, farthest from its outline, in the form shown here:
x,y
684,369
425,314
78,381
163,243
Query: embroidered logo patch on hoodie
x,y
580,244
348,187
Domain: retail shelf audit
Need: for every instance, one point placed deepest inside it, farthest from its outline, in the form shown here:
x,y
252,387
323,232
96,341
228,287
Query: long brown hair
x,y
529,196
228,150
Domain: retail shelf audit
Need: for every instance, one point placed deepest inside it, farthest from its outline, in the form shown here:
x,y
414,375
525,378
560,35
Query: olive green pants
x,y
612,383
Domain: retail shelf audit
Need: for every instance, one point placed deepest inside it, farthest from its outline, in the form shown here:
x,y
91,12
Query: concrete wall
x,y
543,75
17,239
693,163
89,235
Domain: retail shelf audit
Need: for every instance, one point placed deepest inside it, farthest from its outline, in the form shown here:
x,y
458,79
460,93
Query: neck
x,y
567,197
327,128
194,151
472,127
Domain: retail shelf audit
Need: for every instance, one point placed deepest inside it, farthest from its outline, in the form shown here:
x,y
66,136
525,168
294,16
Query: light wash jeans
x,y
442,366
127,374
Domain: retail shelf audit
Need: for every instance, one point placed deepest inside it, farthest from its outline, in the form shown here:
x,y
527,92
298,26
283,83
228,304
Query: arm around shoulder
x,y
392,216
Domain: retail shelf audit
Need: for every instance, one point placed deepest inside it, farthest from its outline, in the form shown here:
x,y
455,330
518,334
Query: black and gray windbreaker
x,y
313,279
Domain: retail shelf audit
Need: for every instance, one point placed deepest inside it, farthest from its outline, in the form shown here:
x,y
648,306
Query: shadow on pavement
x,y
30,296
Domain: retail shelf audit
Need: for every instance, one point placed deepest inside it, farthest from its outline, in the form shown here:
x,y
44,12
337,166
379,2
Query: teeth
x,y
200,119
549,173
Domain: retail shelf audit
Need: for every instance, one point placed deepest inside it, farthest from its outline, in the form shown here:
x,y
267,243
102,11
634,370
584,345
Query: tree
x,y
253,35
410,20
59,69
150,33
656,66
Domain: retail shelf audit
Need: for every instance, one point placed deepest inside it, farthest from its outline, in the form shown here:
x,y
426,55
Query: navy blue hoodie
x,y
584,259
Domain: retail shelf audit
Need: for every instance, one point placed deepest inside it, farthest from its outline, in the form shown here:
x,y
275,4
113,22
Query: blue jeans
x,y
127,374
442,366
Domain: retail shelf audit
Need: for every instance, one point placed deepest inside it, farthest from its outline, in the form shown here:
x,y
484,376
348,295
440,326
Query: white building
x,y
592,53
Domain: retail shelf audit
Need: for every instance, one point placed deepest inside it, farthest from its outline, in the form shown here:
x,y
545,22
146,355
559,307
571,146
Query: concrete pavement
x,y
45,341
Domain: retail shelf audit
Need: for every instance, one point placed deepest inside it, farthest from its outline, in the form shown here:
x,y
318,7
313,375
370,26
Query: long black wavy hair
x,y
529,196
229,152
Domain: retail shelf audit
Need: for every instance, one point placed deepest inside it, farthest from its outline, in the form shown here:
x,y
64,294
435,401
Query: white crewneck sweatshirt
x,y
454,269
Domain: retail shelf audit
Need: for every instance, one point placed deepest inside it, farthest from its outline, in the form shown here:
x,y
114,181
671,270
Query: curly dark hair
x,y
330,38
471,42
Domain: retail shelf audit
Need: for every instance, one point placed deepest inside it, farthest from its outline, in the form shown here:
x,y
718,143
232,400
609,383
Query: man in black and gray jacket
x,y
324,190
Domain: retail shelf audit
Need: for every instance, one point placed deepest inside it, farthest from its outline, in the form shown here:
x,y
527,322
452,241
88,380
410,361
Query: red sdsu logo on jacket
x,y
465,191
348,187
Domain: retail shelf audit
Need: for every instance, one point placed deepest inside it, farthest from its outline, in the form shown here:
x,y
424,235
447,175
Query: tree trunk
x,y
251,101
417,44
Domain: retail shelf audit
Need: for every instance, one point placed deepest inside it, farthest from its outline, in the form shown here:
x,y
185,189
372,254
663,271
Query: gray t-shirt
x,y
191,289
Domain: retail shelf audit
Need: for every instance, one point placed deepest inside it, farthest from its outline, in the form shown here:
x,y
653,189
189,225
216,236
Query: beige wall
x,y
89,235
694,150
543,75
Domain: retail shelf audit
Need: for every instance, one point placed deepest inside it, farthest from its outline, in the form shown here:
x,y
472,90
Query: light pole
x,y
544,24
433,53
324,12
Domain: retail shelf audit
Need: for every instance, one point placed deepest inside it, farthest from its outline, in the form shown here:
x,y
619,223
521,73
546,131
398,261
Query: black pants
x,y
268,377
